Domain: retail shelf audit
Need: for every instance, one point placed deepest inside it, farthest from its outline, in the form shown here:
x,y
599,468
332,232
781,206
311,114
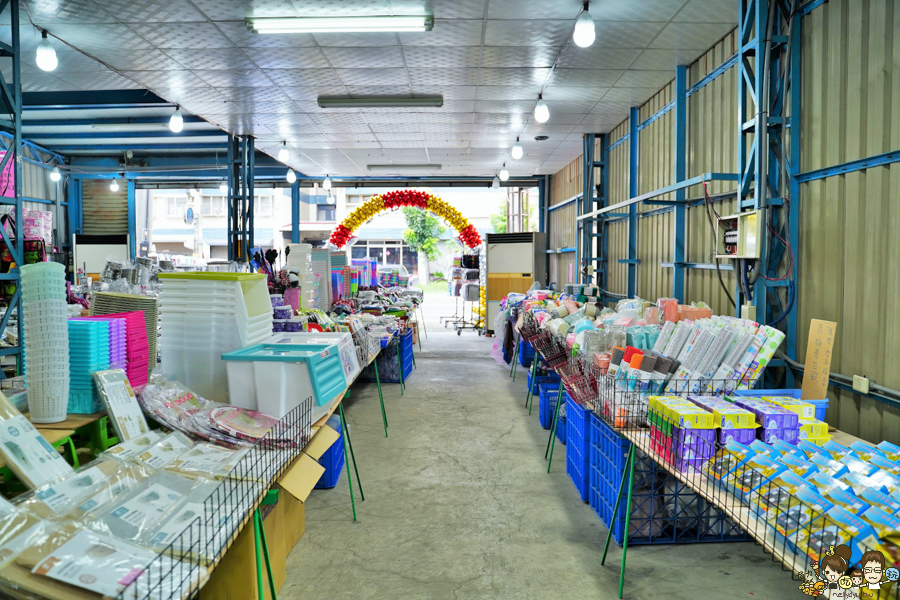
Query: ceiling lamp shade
x,y
223,187
517,150
45,57
291,176
541,110
176,121
495,184
284,154
585,33
326,185
270,25
55,175
504,174
114,186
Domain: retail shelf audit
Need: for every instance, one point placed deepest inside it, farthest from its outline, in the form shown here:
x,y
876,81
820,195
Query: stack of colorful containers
x,y
118,357
137,347
46,341
88,353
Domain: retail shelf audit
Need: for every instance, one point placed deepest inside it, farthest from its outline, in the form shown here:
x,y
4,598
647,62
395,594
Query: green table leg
x,y
347,462
100,439
422,310
629,481
413,352
259,575
552,440
346,433
68,451
400,364
381,398
555,416
260,535
530,392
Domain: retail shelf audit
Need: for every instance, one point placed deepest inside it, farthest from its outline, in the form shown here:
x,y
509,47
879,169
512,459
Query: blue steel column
x,y
632,192
250,175
794,170
680,175
544,225
132,220
586,227
229,199
16,115
73,204
295,212
602,202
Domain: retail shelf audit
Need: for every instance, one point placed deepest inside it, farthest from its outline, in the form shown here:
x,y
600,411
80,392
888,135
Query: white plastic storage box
x,y
344,341
276,378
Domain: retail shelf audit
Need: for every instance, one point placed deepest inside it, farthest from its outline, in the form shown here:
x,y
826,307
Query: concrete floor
x,y
459,504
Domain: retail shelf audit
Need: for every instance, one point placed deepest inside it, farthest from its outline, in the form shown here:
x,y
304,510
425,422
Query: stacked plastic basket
x,y
46,341
206,315
88,352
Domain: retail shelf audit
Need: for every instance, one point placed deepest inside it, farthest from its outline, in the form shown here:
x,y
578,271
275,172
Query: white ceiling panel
x,y
535,32
489,59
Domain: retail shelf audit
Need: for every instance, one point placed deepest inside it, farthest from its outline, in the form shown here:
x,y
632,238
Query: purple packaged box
x,y
693,438
769,435
689,464
743,436
704,452
769,415
278,325
294,325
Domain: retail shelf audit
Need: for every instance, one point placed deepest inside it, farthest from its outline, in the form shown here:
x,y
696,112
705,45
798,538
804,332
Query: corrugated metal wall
x,y
617,243
105,212
848,274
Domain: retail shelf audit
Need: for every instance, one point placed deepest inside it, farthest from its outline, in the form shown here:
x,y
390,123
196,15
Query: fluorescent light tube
x,y
130,126
435,101
340,24
419,167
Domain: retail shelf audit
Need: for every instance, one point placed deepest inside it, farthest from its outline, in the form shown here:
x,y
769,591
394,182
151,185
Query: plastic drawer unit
x,y
276,378
344,341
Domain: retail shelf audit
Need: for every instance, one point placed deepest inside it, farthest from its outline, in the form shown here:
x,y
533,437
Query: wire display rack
x,y
183,567
731,492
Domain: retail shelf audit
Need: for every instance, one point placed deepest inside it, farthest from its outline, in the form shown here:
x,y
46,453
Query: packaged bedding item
x,y
860,483
165,451
775,494
826,465
837,492
727,415
890,451
837,451
26,452
763,448
809,449
881,500
726,460
865,450
786,448
767,414
135,446
142,508
804,506
798,465
752,474
790,435
804,410
855,465
73,563
837,526
813,429
124,411
207,460
98,481
885,464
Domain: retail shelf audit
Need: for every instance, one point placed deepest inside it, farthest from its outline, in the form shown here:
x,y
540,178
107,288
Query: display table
x,y
94,427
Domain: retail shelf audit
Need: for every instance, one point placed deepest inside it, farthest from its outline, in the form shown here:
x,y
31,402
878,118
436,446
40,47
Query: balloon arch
x,y
398,199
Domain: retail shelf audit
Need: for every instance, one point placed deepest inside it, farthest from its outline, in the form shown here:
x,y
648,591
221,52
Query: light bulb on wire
x,y
495,184
55,175
541,110
176,121
45,57
517,151
114,186
223,187
284,154
330,198
291,176
326,185
585,33
504,174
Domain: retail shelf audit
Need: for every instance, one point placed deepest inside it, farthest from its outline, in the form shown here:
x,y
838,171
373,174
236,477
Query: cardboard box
x,y
284,524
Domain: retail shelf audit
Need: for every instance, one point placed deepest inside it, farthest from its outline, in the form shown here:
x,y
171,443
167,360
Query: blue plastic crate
x,y
526,354
388,368
578,432
663,509
547,395
821,405
541,379
561,430
333,459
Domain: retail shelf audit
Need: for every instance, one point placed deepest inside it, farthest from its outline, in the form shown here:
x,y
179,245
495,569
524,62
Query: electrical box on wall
x,y
739,236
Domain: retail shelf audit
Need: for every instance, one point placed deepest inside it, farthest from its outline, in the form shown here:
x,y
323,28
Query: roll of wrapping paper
x,y
774,338
558,327
559,312
615,361
664,335
590,310
726,370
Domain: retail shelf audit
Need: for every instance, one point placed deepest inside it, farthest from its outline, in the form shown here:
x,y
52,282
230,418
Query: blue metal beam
x,y
109,134
689,265
565,202
809,7
105,121
83,99
678,279
132,220
656,116
879,160
712,75
295,212
619,142
142,146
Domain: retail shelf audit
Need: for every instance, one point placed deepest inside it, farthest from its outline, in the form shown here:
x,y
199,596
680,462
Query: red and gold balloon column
x,y
416,199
